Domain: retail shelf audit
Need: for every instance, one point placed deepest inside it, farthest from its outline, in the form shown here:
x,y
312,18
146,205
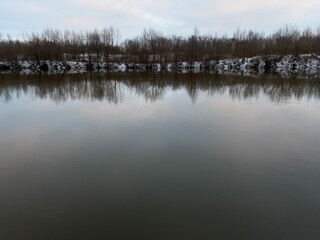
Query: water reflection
x,y
152,86
217,169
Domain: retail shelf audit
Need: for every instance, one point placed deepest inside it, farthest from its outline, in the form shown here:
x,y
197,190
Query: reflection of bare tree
x,y
61,88
151,86
112,86
238,91
101,89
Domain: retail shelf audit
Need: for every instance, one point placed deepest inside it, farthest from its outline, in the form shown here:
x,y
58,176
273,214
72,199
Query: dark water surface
x,y
159,156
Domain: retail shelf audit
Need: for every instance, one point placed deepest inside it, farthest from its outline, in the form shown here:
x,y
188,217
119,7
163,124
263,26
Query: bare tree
x,y
152,46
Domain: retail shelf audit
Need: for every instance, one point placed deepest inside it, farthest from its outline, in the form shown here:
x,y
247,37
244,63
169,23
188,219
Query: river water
x,y
159,156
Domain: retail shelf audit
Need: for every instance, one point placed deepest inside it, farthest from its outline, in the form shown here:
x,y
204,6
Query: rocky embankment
x,y
308,65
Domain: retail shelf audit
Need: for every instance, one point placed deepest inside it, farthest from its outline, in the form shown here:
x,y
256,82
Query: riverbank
x,y
307,65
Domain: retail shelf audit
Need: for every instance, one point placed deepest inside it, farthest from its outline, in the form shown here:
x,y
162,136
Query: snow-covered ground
x,y
308,65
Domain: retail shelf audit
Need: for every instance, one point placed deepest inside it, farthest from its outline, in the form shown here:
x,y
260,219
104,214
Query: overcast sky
x,y
168,16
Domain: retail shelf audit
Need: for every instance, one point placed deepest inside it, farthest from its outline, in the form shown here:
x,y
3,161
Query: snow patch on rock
x,y
307,64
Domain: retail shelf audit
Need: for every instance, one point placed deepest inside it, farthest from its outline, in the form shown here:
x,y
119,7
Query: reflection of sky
x,y
32,127
171,17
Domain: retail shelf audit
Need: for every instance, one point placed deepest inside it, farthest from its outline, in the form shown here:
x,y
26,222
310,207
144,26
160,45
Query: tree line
x,y
153,46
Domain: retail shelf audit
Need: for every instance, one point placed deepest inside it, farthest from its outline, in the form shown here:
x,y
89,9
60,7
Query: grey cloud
x,y
171,17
